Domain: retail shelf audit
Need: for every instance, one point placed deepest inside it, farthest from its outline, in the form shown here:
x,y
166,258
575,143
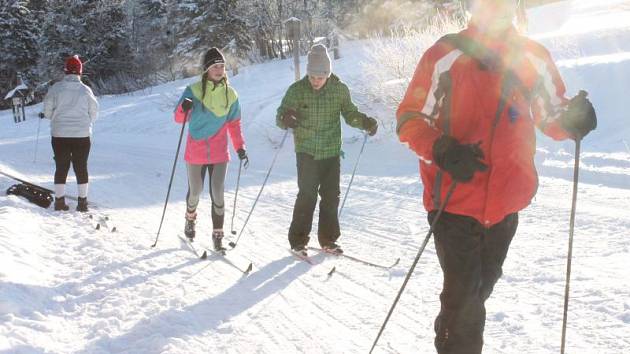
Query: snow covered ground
x,y
68,288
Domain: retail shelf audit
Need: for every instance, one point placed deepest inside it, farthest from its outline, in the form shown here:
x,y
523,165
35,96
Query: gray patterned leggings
x,y
196,176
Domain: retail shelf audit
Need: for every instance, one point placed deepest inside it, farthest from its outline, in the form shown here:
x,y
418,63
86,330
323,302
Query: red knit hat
x,y
73,65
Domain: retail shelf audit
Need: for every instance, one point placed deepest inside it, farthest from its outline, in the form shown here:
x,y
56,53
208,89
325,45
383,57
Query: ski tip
x,y
332,270
204,255
395,263
98,226
249,268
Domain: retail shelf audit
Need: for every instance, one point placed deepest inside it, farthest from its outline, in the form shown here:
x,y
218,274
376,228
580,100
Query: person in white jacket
x,y
72,109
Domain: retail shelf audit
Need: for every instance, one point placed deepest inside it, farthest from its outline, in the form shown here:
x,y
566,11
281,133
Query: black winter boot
x,y
217,240
82,205
189,228
60,204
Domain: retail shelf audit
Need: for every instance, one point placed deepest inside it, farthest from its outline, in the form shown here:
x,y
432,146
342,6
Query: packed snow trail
x,y
68,288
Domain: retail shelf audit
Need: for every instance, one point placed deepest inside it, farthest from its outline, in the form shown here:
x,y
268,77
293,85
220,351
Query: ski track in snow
x,y
68,288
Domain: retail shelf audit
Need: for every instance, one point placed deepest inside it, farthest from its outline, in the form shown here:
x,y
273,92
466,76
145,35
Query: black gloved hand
x,y
187,105
461,161
370,125
41,115
579,118
289,119
242,155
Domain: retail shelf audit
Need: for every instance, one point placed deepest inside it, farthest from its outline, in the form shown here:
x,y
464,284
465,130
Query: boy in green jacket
x,y
312,107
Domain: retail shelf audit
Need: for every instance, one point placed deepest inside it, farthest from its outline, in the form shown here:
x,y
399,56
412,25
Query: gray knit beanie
x,y
318,61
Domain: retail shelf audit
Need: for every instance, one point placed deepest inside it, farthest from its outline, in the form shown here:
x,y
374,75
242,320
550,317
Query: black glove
x,y
242,155
289,119
41,115
187,104
579,118
461,161
370,125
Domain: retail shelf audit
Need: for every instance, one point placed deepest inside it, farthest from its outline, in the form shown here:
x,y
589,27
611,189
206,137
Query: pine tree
x,y
94,30
184,23
62,30
107,39
197,25
149,35
227,27
18,43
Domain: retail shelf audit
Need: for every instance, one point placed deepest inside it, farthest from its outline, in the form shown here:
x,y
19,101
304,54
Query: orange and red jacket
x,y
453,92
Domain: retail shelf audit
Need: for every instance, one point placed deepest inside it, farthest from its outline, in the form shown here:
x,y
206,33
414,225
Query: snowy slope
x,y
68,288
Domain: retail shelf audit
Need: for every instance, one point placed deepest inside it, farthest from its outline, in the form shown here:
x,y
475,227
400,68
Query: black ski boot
x,y
217,240
189,228
82,205
60,204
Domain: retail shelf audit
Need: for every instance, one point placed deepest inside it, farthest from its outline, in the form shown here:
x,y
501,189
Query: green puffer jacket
x,y
319,127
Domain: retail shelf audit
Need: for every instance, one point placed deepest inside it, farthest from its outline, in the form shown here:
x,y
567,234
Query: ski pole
x,y
233,244
41,116
170,183
27,183
356,164
415,261
576,170
238,180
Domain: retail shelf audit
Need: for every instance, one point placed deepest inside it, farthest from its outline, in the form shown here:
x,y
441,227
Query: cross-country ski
x,y
360,260
224,258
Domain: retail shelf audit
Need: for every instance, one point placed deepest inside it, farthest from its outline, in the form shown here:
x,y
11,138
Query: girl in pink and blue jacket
x,y
214,113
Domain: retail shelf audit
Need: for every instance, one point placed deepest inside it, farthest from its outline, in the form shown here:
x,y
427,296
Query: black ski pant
x,y
67,151
316,177
471,257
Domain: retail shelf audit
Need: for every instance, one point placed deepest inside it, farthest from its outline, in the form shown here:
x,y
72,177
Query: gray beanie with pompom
x,y
318,61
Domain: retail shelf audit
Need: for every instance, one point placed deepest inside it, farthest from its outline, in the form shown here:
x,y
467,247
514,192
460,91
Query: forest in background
x,y
131,44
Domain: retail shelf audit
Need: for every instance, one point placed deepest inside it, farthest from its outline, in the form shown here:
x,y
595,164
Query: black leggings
x,y
67,150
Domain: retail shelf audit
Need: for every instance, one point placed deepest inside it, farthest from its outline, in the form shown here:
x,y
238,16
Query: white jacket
x,y
71,107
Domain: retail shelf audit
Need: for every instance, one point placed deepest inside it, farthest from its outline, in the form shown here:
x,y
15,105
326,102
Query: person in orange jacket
x,y
470,114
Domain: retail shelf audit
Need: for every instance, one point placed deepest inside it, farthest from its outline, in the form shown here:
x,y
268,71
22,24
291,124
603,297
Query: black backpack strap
x,y
487,59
